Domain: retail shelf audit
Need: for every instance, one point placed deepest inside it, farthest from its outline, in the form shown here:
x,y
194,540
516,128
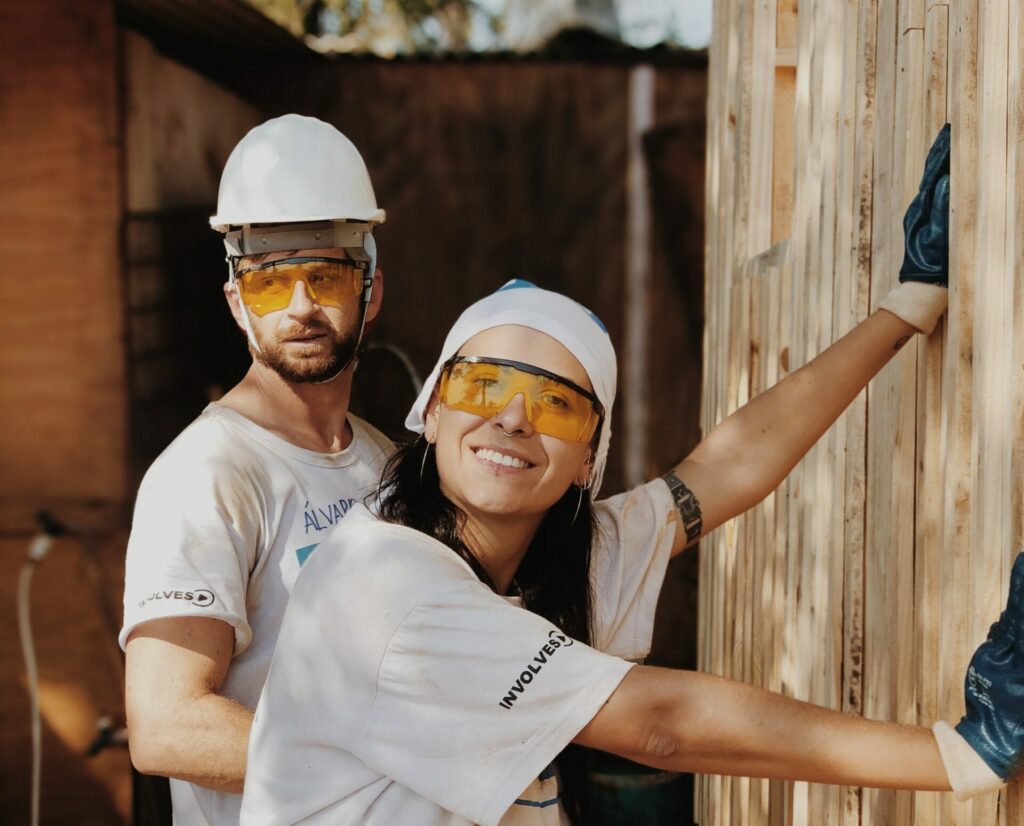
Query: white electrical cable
x,y
403,358
38,548
25,631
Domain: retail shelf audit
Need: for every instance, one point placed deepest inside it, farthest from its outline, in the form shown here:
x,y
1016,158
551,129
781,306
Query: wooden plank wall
x,y
867,580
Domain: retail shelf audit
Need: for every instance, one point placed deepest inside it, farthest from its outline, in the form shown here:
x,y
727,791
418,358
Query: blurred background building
x,y
529,140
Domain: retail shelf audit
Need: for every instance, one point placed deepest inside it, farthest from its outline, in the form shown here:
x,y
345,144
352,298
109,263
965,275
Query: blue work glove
x,y
994,688
926,223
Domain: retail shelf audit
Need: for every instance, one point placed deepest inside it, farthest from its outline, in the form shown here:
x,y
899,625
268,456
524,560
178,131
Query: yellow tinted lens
x,y
329,283
553,408
560,411
475,388
265,291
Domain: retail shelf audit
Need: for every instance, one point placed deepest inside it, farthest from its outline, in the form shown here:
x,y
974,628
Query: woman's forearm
x,y
748,454
694,722
751,732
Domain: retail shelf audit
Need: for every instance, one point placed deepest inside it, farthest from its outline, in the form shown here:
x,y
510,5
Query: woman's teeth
x,y
501,458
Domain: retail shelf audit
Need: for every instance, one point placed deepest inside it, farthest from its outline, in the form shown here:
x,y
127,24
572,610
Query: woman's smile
x,y
502,460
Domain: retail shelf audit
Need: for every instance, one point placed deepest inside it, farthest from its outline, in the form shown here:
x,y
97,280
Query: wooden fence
x,y
867,580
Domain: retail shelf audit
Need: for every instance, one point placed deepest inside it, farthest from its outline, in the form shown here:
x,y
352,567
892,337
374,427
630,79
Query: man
x,y
227,514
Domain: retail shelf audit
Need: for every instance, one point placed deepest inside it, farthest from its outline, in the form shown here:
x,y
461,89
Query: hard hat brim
x,y
223,223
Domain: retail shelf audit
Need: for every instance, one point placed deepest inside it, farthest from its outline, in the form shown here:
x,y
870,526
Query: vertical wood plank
x,y
742,249
928,505
825,465
877,676
1014,796
803,297
762,108
784,130
860,245
741,604
911,101
957,407
756,551
706,793
993,330
775,508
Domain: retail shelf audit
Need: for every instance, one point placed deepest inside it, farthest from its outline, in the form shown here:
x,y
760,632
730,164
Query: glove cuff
x,y
968,774
920,305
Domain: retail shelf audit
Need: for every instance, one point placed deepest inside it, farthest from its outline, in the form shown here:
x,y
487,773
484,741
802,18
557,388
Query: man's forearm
x,y
178,723
202,741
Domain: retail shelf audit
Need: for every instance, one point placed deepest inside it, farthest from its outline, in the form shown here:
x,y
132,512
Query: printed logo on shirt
x,y
302,554
321,518
199,597
556,640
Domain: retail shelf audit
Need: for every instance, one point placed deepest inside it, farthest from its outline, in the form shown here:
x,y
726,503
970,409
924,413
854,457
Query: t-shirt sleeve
x,y
194,540
475,698
633,543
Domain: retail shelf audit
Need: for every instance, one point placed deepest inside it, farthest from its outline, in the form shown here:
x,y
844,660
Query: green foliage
x,y
380,26
286,13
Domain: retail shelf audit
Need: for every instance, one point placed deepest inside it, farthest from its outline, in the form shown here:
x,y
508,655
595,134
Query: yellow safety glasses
x,y
330,282
554,405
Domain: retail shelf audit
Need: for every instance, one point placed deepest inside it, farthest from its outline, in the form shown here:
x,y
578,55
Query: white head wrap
x,y
526,305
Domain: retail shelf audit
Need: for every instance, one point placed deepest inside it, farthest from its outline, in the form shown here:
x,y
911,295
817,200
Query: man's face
x,y
306,341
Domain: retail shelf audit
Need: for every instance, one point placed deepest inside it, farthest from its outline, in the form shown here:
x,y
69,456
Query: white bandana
x,y
573,325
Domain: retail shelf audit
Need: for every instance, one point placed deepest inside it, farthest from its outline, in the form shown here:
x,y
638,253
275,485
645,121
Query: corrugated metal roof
x,y
229,24
573,45
233,43
223,39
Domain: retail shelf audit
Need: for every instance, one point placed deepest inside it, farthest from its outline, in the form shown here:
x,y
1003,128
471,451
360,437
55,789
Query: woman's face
x,y
501,465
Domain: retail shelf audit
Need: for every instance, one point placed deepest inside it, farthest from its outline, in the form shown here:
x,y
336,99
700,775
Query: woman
x,y
434,667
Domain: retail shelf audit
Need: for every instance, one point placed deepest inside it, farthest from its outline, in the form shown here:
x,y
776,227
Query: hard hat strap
x,y
370,248
246,322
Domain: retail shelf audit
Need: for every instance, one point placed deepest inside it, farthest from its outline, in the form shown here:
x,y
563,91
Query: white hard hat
x,y
294,169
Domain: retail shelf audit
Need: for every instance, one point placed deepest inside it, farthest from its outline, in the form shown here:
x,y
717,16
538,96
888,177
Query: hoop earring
x,y
579,502
423,463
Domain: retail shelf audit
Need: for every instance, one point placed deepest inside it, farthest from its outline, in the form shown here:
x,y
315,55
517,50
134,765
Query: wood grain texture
x,y
892,540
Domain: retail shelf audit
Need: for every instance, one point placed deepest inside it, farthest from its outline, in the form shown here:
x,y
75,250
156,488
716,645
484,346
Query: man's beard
x,y
312,369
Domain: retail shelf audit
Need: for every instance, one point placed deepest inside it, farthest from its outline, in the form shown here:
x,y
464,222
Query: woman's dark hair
x,y
553,578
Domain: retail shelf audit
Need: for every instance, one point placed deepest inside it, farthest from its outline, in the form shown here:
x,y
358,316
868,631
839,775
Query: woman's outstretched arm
x,y
747,456
694,722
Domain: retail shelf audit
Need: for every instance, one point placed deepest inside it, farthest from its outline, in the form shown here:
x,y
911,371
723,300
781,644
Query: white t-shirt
x,y
404,692
223,521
